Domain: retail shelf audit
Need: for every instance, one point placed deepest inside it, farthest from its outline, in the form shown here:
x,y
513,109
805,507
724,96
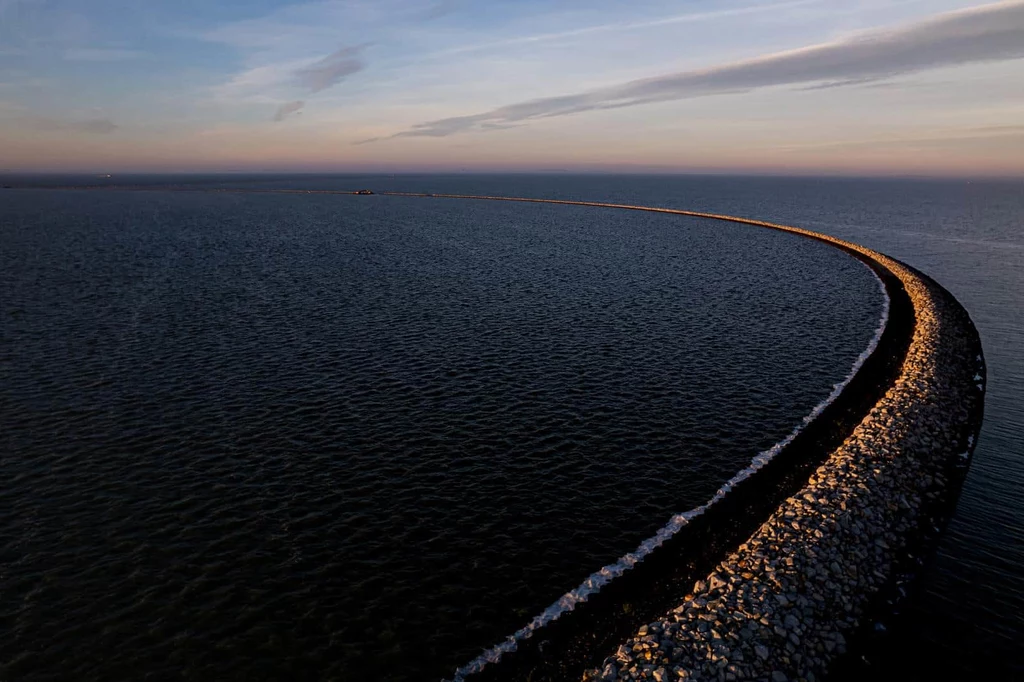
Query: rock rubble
x,y
783,605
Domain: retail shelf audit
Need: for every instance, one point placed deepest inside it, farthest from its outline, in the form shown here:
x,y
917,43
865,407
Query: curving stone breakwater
x,y
833,558
840,548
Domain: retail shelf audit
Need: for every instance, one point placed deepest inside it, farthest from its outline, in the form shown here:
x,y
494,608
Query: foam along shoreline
x,y
782,606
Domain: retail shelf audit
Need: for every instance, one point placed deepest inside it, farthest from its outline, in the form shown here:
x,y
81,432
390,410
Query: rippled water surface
x,y
254,436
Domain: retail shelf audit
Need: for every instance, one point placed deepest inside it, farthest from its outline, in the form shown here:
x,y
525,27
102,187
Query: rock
x,y
779,603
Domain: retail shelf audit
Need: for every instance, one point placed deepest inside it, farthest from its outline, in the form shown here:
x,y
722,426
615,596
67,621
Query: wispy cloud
x,y
293,50
619,27
330,70
305,25
987,33
272,82
439,9
287,109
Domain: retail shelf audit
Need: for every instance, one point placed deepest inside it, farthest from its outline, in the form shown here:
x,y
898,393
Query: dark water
x,y
256,436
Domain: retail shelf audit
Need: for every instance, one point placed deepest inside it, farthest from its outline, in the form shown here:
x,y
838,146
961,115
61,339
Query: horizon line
x,y
662,172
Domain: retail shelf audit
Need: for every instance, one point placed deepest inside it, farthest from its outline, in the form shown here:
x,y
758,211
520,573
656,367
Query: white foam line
x,y
593,584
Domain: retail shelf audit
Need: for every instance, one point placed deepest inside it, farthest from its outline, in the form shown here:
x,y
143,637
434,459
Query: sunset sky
x,y
778,86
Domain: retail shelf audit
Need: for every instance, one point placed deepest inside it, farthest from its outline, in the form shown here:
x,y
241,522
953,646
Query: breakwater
x,y
830,562
886,456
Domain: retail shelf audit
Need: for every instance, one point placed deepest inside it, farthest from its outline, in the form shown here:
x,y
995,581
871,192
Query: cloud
x,y
287,109
271,82
297,27
986,33
620,27
439,9
330,70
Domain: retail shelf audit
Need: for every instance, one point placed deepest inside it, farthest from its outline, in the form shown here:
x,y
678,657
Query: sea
x,y
262,435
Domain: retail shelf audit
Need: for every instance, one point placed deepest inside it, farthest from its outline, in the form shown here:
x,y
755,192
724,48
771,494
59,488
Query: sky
x,y
862,87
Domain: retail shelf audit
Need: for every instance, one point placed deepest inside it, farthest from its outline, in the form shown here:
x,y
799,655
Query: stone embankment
x,y
809,583
785,604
